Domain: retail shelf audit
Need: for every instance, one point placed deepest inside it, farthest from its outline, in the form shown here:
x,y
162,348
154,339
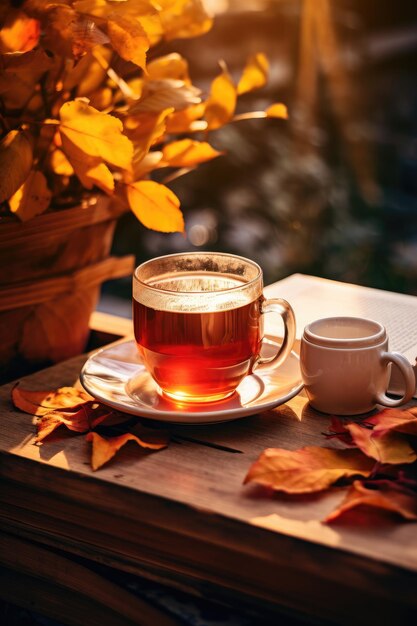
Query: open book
x,y
313,298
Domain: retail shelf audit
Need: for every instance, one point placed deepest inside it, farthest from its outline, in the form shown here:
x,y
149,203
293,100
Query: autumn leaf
x,y
94,133
187,120
278,110
156,206
129,39
80,419
184,18
19,33
255,74
106,8
386,447
32,198
16,158
169,66
159,95
105,448
187,153
221,103
42,402
144,130
308,469
385,495
60,164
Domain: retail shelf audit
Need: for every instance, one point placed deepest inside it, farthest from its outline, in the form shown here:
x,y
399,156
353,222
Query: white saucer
x,y
117,377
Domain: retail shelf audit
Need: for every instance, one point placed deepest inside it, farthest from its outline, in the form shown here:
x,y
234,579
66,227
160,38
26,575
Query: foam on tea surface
x,y
196,292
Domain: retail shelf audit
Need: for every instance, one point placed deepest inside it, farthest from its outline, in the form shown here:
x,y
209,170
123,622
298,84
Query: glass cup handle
x,y
407,372
277,305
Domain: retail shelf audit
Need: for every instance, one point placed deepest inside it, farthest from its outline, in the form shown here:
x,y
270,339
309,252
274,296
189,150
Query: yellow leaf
x,y
255,74
184,18
19,33
144,130
187,120
149,162
129,39
106,8
104,449
32,198
19,76
16,158
153,28
94,133
187,153
221,103
90,170
277,110
169,66
165,93
156,206
87,75
60,164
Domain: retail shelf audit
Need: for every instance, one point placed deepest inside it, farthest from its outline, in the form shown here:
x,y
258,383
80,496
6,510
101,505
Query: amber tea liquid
x,y
197,353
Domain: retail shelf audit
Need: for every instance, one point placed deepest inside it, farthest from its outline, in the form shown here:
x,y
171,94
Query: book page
x,y
313,298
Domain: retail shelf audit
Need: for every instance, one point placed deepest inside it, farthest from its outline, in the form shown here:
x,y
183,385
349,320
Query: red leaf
x,y
384,495
80,419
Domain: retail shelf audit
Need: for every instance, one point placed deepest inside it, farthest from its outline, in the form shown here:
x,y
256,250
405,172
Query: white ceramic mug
x,y
346,366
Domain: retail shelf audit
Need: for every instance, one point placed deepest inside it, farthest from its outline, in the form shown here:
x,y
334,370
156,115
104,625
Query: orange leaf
x,y
95,133
156,206
104,449
278,110
184,18
187,153
169,66
221,103
384,495
388,447
32,198
129,39
80,419
308,469
19,33
16,158
41,402
187,120
255,74
144,130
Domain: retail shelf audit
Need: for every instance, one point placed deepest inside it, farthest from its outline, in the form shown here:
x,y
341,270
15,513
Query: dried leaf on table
x,y
308,469
104,448
80,418
384,495
386,446
42,402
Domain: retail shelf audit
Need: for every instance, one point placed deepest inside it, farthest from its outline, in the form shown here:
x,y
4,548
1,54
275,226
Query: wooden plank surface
x,y
183,513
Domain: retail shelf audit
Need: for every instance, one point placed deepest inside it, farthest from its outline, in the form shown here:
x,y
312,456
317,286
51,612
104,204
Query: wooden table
x,y
181,516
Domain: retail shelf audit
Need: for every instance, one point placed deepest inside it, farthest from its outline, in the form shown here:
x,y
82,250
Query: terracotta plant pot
x,y
51,271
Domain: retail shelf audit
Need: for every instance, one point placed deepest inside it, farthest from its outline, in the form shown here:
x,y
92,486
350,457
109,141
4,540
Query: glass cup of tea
x,y
198,323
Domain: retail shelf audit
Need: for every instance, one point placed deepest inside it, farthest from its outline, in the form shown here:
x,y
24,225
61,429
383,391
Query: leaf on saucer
x,y
80,418
385,495
42,402
104,449
308,469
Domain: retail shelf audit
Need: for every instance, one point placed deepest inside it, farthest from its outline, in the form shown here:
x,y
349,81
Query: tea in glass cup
x,y
198,323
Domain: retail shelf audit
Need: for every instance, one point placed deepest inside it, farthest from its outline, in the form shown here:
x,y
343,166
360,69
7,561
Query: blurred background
x,y
332,191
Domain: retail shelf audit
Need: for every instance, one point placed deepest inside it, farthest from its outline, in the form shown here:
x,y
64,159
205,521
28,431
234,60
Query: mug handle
x,y
277,305
407,372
